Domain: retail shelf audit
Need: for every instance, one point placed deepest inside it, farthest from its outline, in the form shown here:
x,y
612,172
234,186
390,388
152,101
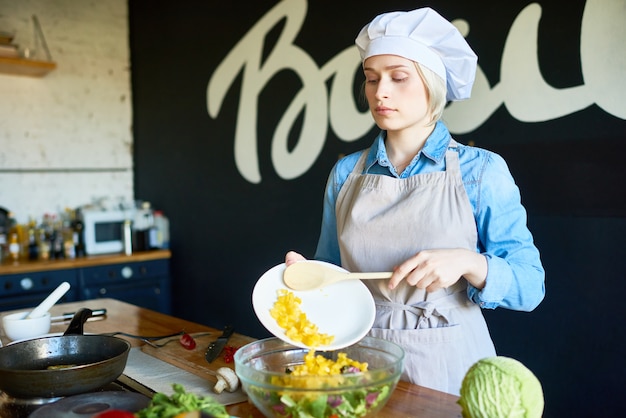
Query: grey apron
x,y
382,221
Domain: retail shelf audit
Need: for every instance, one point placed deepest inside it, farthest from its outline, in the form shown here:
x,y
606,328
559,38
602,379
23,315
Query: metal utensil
x,y
216,347
164,341
67,316
305,275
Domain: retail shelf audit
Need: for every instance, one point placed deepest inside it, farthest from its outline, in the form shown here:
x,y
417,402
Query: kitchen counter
x,y
407,400
27,266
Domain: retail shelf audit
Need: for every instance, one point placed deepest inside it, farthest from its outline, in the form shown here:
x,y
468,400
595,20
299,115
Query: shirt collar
x,y
434,149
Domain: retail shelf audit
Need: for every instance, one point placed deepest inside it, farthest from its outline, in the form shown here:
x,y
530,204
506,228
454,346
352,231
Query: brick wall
x,y
66,138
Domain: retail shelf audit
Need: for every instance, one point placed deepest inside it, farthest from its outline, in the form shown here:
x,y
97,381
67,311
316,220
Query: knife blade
x,y
215,348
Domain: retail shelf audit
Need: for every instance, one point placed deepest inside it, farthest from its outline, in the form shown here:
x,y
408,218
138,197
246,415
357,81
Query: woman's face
x,y
395,92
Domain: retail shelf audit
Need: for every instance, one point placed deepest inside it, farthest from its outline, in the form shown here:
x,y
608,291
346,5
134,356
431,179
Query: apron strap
x,y
453,166
360,164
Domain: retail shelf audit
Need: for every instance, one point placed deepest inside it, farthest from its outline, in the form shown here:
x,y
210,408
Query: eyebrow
x,y
389,67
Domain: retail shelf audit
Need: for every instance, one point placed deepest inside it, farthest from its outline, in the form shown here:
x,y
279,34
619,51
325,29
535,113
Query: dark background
x,y
225,231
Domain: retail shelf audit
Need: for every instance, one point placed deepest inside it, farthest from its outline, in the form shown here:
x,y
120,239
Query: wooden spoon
x,y
304,275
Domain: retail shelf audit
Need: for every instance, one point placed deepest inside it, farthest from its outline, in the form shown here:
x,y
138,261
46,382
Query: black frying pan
x,y
62,366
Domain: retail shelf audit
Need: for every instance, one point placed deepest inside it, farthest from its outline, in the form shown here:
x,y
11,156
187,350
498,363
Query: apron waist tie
x,y
429,314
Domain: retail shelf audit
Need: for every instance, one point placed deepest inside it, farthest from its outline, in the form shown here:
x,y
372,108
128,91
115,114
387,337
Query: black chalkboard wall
x,y
236,204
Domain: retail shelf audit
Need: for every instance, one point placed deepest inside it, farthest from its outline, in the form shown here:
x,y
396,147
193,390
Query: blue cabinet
x,y
142,279
142,283
26,290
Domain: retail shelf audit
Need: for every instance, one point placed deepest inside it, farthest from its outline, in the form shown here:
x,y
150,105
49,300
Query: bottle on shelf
x,y
79,238
14,247
4,233
69,250
127,236
33,246
67,235
160,237
143,223
44,244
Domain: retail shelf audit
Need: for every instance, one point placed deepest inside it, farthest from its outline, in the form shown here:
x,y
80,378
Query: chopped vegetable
x,y
287,313
163,406
187,341
193,414
353,404
229,353
115,413
321,366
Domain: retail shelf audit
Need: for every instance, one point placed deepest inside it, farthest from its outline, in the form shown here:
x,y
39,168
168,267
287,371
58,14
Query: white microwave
x,y
103,230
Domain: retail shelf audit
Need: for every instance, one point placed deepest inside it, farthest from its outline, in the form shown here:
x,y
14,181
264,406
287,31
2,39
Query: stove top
x,y
79,406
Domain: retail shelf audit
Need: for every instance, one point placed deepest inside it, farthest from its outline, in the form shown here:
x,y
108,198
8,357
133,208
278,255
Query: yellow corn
x,y
321,366
288,315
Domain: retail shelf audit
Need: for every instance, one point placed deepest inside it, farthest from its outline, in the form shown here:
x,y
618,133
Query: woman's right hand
x,y
292,256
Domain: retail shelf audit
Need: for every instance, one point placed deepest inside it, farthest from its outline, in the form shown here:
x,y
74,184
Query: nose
x,y
382,90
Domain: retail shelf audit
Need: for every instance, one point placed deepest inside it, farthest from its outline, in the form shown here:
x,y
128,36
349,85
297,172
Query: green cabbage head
x,y
501,387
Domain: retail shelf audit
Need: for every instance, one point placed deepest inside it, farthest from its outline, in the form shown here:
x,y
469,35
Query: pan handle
x,y
76,326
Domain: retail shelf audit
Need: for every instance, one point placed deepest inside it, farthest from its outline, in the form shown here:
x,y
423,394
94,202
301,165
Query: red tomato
x,y
115,413
229,353
187,341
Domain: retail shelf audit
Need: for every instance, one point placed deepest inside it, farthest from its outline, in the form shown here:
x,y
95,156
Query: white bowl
x,y
18,328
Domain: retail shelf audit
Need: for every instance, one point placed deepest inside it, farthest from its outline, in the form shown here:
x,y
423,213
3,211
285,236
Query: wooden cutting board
x,y
193,361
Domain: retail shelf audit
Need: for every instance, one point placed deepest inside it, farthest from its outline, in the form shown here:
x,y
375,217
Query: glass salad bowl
x,y
262,366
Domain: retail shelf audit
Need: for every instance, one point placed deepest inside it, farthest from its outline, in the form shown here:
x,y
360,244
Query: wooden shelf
x,y
26,67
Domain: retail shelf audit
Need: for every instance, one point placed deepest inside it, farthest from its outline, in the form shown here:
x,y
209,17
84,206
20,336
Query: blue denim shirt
x,y
515,279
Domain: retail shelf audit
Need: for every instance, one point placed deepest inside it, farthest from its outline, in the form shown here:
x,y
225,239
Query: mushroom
x,y
226,379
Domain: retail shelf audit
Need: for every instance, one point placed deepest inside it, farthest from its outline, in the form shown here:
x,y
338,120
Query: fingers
x,y
425,270
402,272
418,278
292,256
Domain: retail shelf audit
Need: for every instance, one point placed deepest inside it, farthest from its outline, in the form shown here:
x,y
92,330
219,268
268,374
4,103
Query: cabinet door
x,y
152,294
27,290
144,283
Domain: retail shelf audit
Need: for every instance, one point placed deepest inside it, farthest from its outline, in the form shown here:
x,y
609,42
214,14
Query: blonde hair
x,y
436,90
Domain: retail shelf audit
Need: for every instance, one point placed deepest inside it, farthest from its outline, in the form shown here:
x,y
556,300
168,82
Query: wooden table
x,y
407,400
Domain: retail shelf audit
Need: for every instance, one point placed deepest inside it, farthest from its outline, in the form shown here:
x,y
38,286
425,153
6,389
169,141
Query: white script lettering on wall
x,y
524,92
521,89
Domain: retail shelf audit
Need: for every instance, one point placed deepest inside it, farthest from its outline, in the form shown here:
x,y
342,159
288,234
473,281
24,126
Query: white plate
x,y
344,309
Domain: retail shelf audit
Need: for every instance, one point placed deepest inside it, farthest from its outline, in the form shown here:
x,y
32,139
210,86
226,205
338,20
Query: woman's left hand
x,y
437,269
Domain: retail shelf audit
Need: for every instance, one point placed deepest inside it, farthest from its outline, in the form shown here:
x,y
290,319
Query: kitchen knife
x,y
216,347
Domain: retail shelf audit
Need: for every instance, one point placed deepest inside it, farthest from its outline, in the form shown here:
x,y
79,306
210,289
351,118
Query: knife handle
x,y
228,331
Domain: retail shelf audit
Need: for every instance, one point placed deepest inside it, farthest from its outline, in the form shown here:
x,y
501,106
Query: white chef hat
x,y
423,36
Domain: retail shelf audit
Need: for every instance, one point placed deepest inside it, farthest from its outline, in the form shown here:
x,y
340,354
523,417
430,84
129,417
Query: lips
x,y
383,110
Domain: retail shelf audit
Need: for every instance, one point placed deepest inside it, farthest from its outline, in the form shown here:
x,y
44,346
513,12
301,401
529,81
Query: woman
x,y
444,217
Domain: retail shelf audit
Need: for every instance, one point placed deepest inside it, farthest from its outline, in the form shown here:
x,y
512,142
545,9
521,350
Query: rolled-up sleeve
x,y
515,278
